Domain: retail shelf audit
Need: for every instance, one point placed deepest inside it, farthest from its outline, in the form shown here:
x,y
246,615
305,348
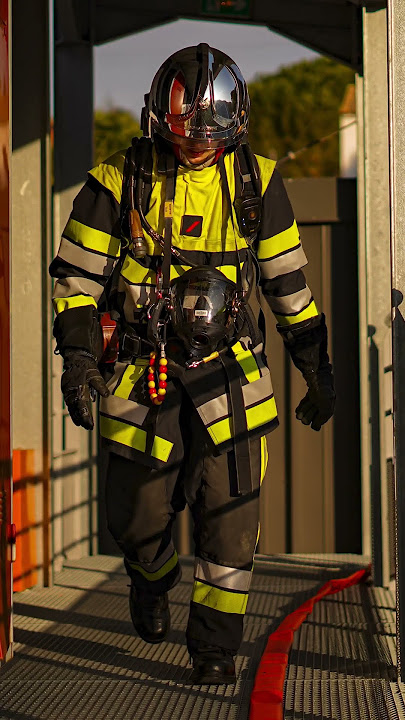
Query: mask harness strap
x,y
144,176
241,444
160,308
168,222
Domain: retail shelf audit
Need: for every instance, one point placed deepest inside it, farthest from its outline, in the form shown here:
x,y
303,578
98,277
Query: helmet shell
x,y
198,100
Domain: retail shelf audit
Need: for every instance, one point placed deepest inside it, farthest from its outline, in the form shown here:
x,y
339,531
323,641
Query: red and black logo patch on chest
x,y
191,225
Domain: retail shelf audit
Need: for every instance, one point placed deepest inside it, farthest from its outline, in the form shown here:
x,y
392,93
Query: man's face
x,y
197,157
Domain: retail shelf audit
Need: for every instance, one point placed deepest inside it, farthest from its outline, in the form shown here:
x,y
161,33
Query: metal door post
x,y
396,47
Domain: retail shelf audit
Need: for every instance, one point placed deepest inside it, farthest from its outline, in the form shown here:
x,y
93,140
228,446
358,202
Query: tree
x,y
113,130
295,106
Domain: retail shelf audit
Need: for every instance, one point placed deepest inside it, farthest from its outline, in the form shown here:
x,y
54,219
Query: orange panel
x,y
24,517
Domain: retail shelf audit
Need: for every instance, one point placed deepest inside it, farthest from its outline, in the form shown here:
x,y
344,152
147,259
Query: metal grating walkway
x,y
77,657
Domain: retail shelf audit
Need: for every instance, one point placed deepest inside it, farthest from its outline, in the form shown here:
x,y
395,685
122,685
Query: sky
x,y
124,69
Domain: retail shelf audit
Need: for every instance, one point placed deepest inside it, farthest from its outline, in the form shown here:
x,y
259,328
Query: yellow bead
x,y
163,361
161,391
162,376
153,396
151,369
157,402
151,383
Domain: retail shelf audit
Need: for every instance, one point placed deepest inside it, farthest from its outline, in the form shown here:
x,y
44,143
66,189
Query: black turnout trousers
x,y
142,503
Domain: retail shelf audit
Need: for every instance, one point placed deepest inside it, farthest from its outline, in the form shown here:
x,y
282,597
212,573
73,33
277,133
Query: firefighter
x,y
186,410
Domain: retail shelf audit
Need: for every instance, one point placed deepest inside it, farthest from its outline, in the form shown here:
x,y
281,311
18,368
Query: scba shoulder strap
x,y
136,179
248,192
133,157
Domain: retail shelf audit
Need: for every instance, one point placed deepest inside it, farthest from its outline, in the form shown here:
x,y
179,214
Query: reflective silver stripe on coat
x,y
128,308
65,287
260,389
283,264
257,352
139,294
122,409
220,407
289,304
215,409
224,577
94,263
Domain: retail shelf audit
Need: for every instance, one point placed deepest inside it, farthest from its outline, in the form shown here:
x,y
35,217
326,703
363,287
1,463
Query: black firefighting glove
x,y
308,349
81,377
318,405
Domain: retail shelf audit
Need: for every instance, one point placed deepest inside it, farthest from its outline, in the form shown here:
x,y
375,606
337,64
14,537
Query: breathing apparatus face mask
x,y
203,309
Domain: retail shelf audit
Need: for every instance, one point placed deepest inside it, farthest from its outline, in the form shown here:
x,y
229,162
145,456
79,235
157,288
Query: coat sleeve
x,y
281,259
88,252
283,284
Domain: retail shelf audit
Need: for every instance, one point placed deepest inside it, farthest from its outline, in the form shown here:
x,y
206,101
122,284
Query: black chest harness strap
x,y
168,226
241,442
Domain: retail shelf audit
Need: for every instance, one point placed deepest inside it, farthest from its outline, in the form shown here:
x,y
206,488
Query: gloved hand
x,y
80,374
318,405
307,346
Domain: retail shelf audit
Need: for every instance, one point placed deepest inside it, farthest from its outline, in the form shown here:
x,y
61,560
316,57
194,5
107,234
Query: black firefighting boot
x,y
213,666
150,614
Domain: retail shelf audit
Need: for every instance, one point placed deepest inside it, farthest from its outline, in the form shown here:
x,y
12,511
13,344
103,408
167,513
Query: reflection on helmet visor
x,y
219,106
225,97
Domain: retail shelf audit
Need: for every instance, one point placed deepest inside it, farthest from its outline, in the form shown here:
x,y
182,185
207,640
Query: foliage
x,y
291,108
113,130
295,106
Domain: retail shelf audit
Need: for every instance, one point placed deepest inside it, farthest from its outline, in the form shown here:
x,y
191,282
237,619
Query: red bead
x,y
162,383
162,369
151,377
152,360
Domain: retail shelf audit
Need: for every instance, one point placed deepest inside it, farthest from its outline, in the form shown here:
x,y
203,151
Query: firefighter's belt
x,y
132,346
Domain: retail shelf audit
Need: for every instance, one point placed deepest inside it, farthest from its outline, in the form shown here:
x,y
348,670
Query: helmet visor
x,y
217,109
224,98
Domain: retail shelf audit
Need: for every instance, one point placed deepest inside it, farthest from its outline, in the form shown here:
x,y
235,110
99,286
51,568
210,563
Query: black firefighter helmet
x,y
198,100
204,306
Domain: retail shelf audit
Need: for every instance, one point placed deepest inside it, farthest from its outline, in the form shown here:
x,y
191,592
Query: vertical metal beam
x,y
74,449
365,449
377,264
30,225
73,77
396,46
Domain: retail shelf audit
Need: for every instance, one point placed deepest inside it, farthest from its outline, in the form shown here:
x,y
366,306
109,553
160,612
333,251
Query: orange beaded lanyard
x,y
158,393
